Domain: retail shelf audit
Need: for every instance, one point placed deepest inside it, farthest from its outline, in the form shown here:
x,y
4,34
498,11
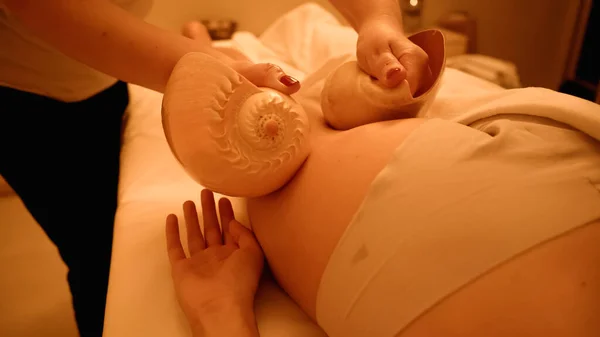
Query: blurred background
x,y
550,43
546,43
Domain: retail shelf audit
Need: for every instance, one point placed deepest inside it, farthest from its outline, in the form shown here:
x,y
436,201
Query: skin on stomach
x,y
299,226
551,290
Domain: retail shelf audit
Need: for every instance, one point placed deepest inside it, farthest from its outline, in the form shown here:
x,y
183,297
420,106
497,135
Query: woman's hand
x,y
384,52
216,284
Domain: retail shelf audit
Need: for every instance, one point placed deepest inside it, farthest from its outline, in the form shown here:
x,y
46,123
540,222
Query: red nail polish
x,y
288,80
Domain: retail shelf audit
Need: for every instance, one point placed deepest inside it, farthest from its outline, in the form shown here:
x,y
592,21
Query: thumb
x,y
242,236
388,70
270,76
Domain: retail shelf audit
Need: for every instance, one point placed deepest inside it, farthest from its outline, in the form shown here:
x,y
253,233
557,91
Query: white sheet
x,y
141,300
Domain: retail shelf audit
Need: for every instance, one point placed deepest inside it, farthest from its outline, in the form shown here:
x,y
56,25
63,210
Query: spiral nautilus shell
x,y
351,98
230,136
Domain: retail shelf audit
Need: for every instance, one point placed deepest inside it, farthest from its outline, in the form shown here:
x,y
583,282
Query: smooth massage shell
x,y
351,98
230,136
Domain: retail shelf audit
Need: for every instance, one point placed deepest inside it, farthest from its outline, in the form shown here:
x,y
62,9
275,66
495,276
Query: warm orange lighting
x,y
414,3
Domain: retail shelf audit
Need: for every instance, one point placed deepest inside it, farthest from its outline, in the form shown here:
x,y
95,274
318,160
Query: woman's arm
x,y
109,39
358,12
233,321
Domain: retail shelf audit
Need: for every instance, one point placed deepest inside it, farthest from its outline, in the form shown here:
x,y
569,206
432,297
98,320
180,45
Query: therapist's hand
x,y
262,74
266,75
384,52
216,284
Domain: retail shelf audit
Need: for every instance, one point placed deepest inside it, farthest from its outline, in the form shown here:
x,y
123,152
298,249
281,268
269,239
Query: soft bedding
x,y
141,299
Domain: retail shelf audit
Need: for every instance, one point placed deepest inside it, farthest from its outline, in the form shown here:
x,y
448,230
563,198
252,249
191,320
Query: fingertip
x,y
206,193
271,76
394,75
172,227
237,230
283,83
396,71
288,81
293,89
225,210
207,198
189,206
174,248
171,222
243,236
224,202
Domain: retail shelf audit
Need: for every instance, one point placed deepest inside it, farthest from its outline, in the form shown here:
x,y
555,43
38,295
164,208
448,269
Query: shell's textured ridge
x,y
243,141
231,136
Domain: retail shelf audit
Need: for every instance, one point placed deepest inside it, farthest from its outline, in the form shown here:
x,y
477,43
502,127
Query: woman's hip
x,y
453,204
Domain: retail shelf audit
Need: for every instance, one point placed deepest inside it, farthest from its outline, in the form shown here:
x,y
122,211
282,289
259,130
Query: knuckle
x,y
272,68
420,55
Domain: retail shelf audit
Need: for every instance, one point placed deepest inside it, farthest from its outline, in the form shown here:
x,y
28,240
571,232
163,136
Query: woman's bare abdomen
x,y
299,226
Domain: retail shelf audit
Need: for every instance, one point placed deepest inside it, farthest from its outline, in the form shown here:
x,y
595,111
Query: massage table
x,y
141,299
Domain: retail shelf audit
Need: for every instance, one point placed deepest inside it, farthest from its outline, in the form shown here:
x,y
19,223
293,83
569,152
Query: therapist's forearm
x,y
357,12
107,38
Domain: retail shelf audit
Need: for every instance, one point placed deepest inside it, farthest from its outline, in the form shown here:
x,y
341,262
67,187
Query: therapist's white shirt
x,y
28,64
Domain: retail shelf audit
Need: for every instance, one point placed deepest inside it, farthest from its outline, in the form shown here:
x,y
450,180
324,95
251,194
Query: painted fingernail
x,y
392,72
288,80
